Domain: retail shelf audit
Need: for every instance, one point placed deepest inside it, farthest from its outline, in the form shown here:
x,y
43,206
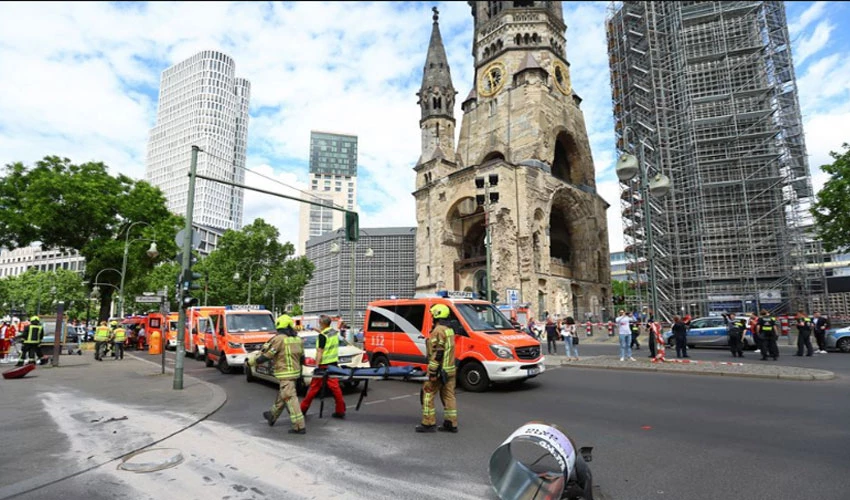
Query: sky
x,y
81,80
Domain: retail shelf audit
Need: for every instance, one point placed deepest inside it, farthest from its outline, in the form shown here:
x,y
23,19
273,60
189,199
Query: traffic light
x,y
188,282
494,296
352,226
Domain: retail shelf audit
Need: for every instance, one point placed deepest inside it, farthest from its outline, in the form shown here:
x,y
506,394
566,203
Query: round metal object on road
x,y
152,460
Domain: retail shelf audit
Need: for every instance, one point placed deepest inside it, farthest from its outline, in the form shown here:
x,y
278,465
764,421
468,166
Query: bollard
x,y
589,331
551,469
610,328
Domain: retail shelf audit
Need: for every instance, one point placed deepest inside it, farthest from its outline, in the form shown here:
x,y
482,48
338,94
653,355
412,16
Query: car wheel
x,y
248,375
473,377
380,361
208,362
196,354
350,384
223,365
843,344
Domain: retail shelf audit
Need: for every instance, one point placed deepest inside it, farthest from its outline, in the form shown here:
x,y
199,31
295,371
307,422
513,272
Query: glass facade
x,y
334,154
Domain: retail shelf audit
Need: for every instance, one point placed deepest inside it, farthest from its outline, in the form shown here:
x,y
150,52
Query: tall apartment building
x,y
385,266
705,93
333,181
202,103
18,261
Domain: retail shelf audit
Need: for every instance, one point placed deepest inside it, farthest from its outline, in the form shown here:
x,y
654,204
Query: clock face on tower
x,y
492,79
562,77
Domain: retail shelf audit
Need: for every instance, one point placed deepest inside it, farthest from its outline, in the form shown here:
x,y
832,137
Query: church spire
x,y
437,94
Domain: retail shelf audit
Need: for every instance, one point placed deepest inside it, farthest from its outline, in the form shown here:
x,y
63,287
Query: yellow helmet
x,y
439,311
284,321
114,323
34,318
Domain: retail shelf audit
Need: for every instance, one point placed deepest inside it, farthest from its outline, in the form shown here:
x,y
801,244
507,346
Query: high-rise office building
x,y
202,103
333,181
705,93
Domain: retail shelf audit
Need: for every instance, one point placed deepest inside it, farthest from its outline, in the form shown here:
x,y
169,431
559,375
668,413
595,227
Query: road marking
x,y
375,402
400,397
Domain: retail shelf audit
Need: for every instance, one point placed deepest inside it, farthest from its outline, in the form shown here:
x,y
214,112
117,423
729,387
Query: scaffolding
x,y
705,93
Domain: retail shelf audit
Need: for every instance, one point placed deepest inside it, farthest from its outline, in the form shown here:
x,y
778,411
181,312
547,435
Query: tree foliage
x,y
253,255
831,210
36,292
82,207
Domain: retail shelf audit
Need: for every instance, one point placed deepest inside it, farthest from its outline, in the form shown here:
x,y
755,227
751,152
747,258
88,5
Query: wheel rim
x,y
473,377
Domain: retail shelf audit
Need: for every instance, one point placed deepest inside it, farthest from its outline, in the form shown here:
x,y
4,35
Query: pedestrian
x,y
101,337
551,336
635,327
625,332
120,336
767,333
32,336
570,336
327,354
5,339
680,333
804,334
752,326
820,325
441,374
650,338
286,352
735,329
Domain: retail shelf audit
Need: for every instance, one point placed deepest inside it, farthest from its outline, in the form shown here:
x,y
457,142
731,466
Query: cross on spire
x,y
436,16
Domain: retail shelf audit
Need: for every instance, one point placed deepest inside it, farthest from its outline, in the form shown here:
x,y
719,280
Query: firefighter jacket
x,y
286,352
441,350
34,334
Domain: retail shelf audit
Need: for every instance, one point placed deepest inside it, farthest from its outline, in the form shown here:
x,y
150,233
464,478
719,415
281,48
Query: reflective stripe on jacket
x,y
101,334
34,334
120,335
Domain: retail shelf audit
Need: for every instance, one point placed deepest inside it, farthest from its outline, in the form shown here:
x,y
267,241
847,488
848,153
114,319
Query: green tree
x,y
831,210
254,254
39,292
82,207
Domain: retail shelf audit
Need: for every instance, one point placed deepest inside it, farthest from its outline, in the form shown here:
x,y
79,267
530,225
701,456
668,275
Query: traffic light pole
x,y
185,271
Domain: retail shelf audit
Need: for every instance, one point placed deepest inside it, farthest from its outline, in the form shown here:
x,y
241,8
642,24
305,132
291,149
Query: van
x,y
232,332
488,348
193,339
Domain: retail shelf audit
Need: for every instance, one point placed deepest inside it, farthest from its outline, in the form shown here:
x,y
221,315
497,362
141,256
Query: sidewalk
x,y
112,400
697,367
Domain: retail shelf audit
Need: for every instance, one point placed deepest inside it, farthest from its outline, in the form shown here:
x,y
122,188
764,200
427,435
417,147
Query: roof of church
x,y
436,72
529,62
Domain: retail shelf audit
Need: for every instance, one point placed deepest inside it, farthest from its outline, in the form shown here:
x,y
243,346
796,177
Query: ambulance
x,y
488,348
193,341
232,332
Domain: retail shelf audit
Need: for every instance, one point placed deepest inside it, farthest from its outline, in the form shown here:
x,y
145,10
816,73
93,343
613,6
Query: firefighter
x,y
735,329
286,351
767,333
120,335
441,374
32,341
101,337
327,354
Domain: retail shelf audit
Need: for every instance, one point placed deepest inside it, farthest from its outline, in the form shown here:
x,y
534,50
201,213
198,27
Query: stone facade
x,y
522,133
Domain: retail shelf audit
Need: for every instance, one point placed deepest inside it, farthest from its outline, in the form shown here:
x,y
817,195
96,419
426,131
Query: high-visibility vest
x,y
120,334
767,326
101,334
33,334
330,354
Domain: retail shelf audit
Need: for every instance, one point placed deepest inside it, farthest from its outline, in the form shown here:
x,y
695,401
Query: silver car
x,y
709,331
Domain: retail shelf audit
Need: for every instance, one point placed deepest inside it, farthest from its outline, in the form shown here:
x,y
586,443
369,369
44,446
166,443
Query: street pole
x,y
250,269
353,277
57,335
644,188
487,236
187,256
163,309
123,272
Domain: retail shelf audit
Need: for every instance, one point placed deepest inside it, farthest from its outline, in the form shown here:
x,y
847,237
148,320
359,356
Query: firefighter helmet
x,y
113,323
439,311
284,321
34,319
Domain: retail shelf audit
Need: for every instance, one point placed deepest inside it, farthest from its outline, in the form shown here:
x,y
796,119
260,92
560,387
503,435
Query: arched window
x,y
518,39
526,39
437,103
565,159
493,155
486,52
535,38
560,244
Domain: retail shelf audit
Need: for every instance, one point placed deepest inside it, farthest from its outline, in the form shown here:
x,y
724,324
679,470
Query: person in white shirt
x,y
568,332
625,331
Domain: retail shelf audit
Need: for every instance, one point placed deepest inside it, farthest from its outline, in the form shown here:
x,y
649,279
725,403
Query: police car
x,y
709,331
350,356
839,339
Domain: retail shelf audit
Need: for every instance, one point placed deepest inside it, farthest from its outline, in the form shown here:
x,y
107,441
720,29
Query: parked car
x,y
839,339
350,356
708,331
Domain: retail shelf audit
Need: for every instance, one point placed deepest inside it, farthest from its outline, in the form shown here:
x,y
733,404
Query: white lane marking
x,y
375,402
400,397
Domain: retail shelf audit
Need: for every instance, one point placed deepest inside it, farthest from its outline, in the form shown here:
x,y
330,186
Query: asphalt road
x,y
655,435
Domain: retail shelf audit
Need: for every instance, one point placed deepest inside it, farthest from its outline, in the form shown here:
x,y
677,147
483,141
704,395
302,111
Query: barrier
x,y
610,328
658,338
589,331
155,344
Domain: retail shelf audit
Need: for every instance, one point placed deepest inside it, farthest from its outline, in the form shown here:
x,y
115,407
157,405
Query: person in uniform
x,y
804,334
327,354
820,325
735,329
101,337
32,341
442,374
286,352
120,335
680,334
767,332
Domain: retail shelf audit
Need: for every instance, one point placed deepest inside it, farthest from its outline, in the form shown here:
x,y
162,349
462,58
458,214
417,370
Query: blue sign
x,y
512,295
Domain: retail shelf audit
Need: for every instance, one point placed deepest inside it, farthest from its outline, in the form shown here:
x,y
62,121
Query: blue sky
x,y
81,80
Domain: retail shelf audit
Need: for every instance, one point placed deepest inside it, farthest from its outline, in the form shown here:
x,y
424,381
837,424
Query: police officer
x,y
101,337
119,336
804,334
32,341
441,374
635,328
286,352
735,329
767,332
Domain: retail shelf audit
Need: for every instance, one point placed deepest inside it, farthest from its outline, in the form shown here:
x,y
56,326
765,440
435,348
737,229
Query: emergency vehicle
x,y
488,348
234,331
193,338
520,313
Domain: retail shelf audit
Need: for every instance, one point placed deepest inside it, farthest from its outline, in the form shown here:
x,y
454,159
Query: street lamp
x,y
152,253
369,253
250,275
627,168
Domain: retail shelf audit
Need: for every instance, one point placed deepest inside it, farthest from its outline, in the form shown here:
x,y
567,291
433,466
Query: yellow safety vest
x,y
101,334
330,354
120,335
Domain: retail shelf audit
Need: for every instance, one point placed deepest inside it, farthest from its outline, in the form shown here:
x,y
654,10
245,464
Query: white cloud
x,y
815,42
610,192
809,16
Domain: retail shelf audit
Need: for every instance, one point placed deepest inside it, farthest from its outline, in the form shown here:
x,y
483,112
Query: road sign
x,y
196,238
512,294
145,299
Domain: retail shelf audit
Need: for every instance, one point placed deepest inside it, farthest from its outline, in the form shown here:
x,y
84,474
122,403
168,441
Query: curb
x,y
813,375
215,403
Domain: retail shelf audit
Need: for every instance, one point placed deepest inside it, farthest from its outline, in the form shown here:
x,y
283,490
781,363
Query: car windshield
x,y
310,341
241,323
484,317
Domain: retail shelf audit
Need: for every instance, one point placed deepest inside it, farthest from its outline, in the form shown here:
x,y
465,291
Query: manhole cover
x,y
152,460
